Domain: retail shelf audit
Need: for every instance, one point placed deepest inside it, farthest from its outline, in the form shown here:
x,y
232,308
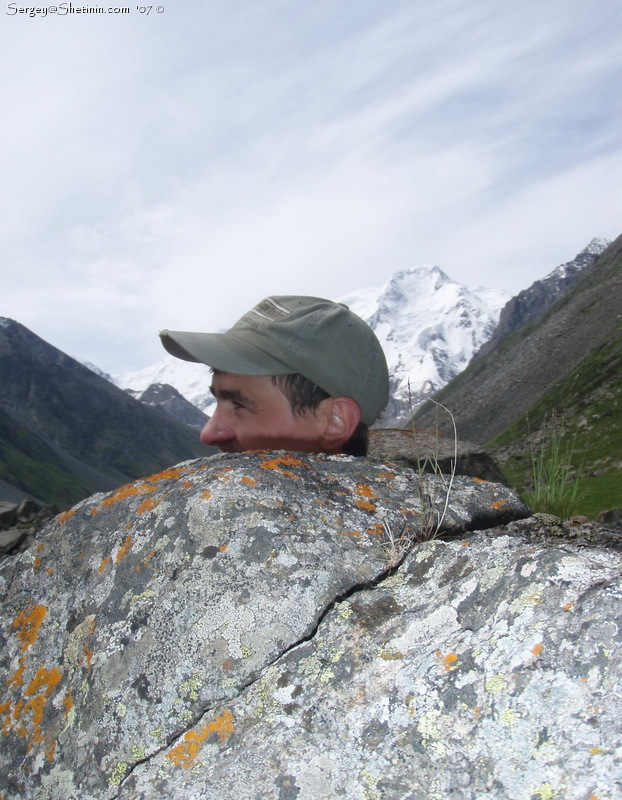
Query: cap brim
x,y
224,352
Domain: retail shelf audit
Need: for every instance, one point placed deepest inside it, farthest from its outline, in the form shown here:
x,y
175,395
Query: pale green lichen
x,y
428,724
370,789
315,667
137,598
344,610
138,752
118,773
496,684
121,710
509,717
389,652
190,687
530,597
544,792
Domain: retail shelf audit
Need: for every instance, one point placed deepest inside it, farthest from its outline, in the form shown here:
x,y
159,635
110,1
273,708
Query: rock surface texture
x,y
262,626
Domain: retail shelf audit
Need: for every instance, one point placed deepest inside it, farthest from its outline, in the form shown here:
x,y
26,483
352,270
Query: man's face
x,y
253,414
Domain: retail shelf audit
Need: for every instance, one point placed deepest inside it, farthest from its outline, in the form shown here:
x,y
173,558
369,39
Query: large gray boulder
x,y
281,626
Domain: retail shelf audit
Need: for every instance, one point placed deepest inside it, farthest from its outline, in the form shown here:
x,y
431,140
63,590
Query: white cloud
x,y
168,171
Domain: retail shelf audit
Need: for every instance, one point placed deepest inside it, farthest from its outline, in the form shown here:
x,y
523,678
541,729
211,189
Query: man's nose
x,y
215,431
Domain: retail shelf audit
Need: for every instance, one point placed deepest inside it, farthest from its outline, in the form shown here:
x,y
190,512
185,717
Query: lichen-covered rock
x,y
239,627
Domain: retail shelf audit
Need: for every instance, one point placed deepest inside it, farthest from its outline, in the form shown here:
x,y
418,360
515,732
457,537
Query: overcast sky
x,y
169,169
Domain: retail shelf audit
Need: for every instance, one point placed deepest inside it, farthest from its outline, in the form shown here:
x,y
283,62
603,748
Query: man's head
x,y
295,373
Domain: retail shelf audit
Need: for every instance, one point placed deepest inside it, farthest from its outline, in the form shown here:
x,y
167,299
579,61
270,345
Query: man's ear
x,y
342,415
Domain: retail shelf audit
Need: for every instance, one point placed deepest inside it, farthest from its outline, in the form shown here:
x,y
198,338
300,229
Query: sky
x,y
171,166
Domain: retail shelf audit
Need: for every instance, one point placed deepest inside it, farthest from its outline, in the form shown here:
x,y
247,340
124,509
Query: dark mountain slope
x,y
504,384
532,303
166,399
66,432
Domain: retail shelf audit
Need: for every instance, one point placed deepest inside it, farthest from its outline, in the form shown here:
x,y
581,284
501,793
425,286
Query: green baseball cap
x,y
323,341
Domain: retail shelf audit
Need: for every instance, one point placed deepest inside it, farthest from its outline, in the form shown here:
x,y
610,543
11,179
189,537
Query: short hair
x,y
303,395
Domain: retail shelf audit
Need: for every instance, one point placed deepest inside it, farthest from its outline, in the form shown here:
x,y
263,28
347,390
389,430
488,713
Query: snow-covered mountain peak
x,y
595,247
429,326
565,271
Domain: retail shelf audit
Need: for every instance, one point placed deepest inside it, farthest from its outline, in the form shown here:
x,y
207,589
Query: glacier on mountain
x,y
429,327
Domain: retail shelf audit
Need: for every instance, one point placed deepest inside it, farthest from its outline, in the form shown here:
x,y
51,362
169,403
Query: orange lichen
x,y
249,481
45,679
187,484
147,505
104,561
68,704
66,514
36,564
129,490
365,504
28,622
376,530
88,653
125,548
18,676
449,661
479,480
500,504
185,753
537,649
568,606
170,474
365,491
279,462
39,690
206,494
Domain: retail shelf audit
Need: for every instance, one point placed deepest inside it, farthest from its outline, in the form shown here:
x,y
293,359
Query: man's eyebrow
x,y
231,394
